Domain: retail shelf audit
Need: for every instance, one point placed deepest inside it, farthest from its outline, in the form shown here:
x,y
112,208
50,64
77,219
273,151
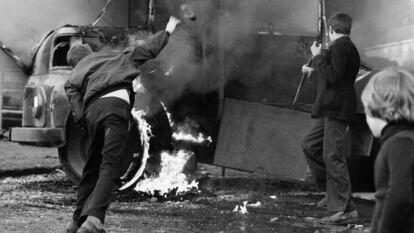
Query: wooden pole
x,y
221,63
1,100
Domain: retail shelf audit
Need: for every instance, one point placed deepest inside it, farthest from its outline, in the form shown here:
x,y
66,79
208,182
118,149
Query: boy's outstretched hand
x,y
172,24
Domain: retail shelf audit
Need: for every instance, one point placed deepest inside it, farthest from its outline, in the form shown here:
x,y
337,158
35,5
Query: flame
x,y
183,131
187,131
145,131
171,176
168,115
184,136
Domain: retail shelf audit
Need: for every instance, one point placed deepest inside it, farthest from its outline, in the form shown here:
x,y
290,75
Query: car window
x,y
60,50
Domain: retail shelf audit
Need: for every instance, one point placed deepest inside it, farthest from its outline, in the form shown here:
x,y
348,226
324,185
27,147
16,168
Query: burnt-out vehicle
x,y
45,112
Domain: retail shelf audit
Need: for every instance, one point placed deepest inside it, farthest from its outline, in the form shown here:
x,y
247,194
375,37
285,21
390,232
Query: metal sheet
x,y
256,137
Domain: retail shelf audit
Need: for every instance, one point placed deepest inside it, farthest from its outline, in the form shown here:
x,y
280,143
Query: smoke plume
x,y
237,35
378,23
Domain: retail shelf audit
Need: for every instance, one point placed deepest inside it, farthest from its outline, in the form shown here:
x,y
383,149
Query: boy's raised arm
x,y
154,46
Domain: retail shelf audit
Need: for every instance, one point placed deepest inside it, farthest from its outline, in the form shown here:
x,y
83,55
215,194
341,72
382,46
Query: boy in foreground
x,y
388,100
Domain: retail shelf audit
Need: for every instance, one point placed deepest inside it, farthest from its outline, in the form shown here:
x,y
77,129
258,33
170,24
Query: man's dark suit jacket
x,y
335,75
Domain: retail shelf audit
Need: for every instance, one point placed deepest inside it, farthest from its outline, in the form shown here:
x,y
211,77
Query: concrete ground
x,y
16,159
36,196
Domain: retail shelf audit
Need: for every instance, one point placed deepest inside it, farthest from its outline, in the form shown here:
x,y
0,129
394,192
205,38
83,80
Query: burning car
x,y
46,120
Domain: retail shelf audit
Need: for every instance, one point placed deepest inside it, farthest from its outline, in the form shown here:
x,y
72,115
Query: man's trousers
x,y
107,121
323,149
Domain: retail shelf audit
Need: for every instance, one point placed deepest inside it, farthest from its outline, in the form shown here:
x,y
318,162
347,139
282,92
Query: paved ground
x,y
41,200
16,159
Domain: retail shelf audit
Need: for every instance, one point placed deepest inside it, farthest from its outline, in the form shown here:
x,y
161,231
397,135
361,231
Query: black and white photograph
x,y
207,116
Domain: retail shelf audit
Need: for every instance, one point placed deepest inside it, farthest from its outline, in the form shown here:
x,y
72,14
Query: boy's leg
x,y
338,185
113,152
90,172
312,146
85,188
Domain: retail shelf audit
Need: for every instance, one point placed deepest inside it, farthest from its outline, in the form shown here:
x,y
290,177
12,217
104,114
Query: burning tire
x,y
73,155
161,131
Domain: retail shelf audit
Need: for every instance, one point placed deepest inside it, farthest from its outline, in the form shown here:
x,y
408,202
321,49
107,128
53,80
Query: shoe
x,y
341,218
72,227
87,230
88,227
322,203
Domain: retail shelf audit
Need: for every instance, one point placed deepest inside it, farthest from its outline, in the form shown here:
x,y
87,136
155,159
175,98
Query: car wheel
x,y
73,155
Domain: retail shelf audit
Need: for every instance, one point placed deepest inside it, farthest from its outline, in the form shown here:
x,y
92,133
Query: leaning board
x,y
262,138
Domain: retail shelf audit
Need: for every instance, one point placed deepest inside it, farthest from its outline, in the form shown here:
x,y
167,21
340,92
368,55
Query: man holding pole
x,y
334,74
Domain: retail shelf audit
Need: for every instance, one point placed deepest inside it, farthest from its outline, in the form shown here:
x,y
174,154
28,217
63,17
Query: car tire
x,y
73,154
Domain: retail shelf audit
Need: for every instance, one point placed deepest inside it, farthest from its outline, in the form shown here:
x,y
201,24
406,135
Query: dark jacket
x,y
394,181
335,74
105,71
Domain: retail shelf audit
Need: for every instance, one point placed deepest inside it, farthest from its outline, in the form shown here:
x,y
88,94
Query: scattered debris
x,y
241,209
273,197
257,204
355,226
310,219
274,219
306,193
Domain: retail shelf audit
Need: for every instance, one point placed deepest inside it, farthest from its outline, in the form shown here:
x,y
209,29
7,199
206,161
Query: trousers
x,y
323,149
107,121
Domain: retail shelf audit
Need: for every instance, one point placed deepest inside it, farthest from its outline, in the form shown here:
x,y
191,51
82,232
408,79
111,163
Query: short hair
x,y
389,95
77,53
340,23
